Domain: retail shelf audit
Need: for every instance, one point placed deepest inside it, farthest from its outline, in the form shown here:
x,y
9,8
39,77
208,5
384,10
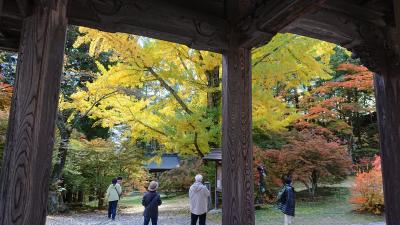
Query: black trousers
x,y
202,219
112,209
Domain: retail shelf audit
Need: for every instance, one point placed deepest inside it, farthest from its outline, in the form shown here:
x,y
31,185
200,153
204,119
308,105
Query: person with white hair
x,y
198,195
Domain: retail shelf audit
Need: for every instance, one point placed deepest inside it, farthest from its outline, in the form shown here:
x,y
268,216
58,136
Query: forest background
x,y
125,100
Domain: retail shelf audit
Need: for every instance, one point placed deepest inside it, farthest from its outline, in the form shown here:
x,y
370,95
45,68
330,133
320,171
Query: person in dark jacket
x,y
151,200
286,200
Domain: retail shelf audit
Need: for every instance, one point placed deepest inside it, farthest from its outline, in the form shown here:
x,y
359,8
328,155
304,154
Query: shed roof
x,y
214,155
168,162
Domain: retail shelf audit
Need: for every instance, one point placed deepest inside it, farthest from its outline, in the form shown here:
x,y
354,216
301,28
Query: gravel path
x,y
373,224
123,219
126,219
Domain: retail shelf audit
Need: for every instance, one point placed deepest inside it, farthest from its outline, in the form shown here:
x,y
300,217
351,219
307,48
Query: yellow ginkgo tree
x,y
171,93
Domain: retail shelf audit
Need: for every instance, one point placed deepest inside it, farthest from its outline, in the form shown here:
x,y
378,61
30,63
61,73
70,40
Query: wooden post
x,y
1,7
387,90
216,186
237,156
381,53
30,137
396,7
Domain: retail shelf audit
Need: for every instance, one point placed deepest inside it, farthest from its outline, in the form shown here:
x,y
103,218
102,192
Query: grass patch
x,y
330,207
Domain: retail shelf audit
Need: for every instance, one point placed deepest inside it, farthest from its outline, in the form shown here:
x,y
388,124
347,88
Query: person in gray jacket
x,y
198,195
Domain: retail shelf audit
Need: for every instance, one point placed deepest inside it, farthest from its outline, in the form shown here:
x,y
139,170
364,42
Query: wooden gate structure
x,y
37,28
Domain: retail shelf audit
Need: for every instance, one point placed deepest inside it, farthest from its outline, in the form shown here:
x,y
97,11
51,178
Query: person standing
x,y
198,195
119,181
151,200
286,200
112,195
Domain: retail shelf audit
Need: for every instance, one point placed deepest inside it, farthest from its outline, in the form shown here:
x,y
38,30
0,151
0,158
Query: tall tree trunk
x,y
100,197
213,81
65,136
314,182
55,204
214,98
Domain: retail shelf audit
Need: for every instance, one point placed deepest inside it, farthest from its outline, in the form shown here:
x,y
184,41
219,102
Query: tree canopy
x,y
161,90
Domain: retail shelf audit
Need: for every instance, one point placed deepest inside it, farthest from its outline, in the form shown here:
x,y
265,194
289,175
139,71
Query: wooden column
x,y
237,157
30,137
381,53
1,7
386,54
387,90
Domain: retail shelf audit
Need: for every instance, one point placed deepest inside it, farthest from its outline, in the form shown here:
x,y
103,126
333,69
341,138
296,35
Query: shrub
x,y
367,191
180,179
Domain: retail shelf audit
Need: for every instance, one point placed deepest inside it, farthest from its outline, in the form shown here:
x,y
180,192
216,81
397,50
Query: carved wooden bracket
x,y
380,50
105,7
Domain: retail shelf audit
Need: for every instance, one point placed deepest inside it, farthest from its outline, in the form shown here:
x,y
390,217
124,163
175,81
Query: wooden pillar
x,y
237,157
396,5
1,7
381,53
216,186
387,90
386,54
30,137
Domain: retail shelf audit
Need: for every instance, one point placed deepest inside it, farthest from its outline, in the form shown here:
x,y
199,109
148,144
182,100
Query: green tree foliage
x,y
92,164
79,68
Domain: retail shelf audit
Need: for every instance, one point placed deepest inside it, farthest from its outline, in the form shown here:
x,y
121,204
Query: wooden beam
x,y
11,10
30,136
356,12
25,7
237,152
237,10
9,44
152,18
327,26
272,16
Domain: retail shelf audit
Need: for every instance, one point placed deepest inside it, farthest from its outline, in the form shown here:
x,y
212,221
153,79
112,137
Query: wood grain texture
x,y
329,26
356,12
30,137
25,7
381,53
158,19
237,155
272,16
1,7
387,90
396,5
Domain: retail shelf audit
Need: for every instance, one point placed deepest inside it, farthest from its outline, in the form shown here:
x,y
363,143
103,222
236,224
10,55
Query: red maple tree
x,y
309,158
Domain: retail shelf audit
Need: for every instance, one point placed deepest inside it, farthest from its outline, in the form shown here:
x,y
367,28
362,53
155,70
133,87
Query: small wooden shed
x,y
215,156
